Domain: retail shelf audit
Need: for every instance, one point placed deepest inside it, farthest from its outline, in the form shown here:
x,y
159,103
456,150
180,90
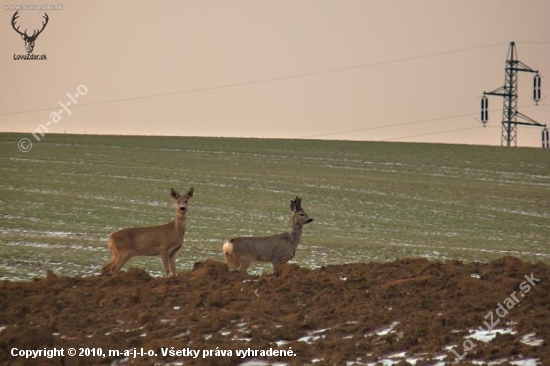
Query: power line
x,y
253,82
533,42
434,133
393,125
410,122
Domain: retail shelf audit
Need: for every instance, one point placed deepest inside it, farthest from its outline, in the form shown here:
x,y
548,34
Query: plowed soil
x,y
409,310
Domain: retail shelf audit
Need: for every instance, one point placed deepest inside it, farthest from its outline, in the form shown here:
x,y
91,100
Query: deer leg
x,y
231,261
281,259
120,262
172,263
285,258
107,268
245,263
165,263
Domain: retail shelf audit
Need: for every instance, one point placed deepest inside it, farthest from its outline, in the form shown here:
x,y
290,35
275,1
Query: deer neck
x,y
180,224
295,234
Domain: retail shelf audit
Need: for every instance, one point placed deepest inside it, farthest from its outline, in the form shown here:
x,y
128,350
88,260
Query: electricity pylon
x,y
511,117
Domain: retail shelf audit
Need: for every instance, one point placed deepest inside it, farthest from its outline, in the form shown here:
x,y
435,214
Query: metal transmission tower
x,y
511,118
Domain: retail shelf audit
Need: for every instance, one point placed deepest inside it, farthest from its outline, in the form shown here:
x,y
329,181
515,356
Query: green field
x,y
371,201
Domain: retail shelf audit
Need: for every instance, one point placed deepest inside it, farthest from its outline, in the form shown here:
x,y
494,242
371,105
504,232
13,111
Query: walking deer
x,y
164,240
240,253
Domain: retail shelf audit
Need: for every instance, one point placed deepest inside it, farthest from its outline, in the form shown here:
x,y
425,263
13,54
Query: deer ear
x,y
297,205
23,36
189,193
175,195
293,206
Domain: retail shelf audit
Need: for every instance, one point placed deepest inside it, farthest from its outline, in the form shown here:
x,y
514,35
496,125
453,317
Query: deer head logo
x,y
29,40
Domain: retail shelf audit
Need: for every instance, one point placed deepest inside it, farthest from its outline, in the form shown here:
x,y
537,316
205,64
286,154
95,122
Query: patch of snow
x,y
530,340
487,336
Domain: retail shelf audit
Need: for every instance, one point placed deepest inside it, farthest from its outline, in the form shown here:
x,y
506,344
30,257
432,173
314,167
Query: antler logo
x,y
29,40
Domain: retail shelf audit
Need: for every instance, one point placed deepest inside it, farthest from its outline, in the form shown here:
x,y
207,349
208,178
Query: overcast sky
x,y
357,70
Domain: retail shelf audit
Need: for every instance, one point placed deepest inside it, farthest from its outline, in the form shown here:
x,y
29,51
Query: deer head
x,y
29,40
299,216
181,201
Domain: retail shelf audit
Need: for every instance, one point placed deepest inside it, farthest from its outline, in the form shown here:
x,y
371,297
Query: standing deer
x,y
164,240
29,40
277,249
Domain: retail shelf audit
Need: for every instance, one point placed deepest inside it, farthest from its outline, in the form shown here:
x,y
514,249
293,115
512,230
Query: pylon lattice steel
x,y
511,117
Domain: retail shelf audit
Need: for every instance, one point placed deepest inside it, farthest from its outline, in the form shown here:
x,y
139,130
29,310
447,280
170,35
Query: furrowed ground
x,y
409,310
